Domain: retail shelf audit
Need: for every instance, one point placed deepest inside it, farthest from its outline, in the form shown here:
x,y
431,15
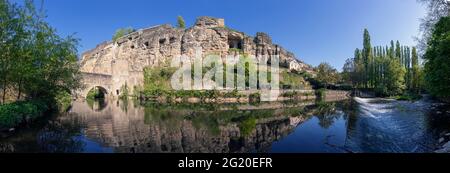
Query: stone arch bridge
x,y
103,82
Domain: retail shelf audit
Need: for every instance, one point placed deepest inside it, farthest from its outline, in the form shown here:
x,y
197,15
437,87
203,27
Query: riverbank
x,y
17,114
444,143
23,113
442,111
246,96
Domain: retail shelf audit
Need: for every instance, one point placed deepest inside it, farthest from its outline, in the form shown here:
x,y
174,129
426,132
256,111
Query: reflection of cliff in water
x,y
156,128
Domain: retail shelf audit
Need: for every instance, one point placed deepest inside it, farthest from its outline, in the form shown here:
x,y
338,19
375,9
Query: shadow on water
x,y
357,125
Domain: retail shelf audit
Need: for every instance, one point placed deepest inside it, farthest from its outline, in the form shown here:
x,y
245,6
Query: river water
x,y
354,125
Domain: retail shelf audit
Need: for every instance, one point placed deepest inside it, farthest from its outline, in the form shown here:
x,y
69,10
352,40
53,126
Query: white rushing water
x,y
369,108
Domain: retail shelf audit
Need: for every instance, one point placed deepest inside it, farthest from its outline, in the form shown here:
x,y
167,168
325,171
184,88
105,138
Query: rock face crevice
x,y
126,58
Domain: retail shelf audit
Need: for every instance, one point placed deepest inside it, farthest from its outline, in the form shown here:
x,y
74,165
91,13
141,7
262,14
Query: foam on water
x,y
371,109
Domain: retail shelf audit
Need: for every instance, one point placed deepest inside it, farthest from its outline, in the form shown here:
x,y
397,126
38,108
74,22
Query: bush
x,y
63,100
124,93
321,93
293,81
255,97
232,94
290,94
158,78
122,32
13,114
409,97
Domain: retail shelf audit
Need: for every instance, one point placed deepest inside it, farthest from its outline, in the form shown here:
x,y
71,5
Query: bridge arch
x,y
92,80
103,91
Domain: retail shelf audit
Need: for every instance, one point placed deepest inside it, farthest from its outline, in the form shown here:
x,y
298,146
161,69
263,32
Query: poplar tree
x,y
367,58
416,72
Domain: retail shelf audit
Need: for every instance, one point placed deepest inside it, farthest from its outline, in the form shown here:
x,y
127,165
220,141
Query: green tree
x,y
393,81
326,74
124,92
398,51
180,22
349,72
391,50
36,63
367,58
416,84
388,70
437,60
122,32
38,68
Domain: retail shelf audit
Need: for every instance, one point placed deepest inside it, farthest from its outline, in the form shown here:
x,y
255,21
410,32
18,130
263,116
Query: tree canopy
x,y
35,62
326,74
389,70
437,60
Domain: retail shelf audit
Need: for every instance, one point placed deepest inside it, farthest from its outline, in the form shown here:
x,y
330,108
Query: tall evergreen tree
x,y
416,72
392,50
367,58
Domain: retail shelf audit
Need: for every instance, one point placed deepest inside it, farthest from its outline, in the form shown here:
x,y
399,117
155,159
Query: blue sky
x,y
315,30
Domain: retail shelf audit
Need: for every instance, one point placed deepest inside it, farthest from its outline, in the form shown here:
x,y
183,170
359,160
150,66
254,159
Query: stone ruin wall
x,y
126,58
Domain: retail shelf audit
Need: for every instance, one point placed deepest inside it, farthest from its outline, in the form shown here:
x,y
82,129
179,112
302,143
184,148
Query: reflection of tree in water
x,y
171,119
350,109
211,121
153,128
61,137
97,105
230,130
124,104
326,113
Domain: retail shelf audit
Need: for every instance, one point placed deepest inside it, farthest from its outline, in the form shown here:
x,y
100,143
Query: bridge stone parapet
x,y
92,80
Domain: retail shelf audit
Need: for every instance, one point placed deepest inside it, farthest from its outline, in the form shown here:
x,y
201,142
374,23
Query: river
x,y
350,126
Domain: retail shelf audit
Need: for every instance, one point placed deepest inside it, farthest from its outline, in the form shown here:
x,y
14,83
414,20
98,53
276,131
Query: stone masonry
x,y
125,59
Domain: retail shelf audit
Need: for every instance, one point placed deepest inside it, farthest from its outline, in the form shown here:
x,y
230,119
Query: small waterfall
x,y
372,107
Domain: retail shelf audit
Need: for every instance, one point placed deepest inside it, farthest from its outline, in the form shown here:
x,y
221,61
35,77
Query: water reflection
x,y
359,125
188,128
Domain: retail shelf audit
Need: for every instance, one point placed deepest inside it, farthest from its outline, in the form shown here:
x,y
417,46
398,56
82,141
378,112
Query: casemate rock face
x,y
125,59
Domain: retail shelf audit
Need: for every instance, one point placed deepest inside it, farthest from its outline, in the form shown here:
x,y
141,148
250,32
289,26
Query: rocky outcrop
x,y
126,58
444,141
